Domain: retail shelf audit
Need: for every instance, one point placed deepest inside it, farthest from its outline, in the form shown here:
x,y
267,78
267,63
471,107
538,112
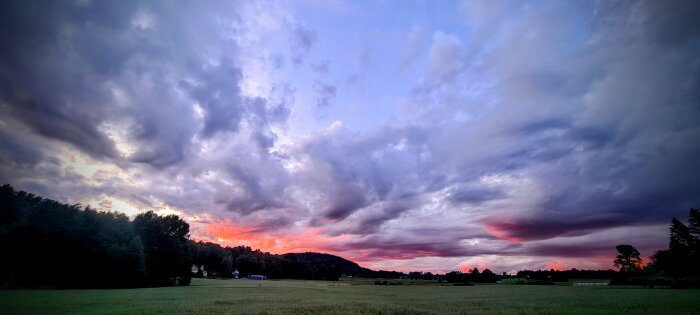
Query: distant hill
x,y
320,261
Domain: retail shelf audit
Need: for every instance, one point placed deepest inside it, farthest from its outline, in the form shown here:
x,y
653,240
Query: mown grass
x,y
206,296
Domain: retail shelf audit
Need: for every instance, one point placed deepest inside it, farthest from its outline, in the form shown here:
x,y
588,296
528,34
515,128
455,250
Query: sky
x,y
403,135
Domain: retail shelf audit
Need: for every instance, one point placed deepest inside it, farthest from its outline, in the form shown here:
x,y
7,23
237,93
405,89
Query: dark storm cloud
x,y
39,81
219,98
672,22
355,171
18,152
402,249
256,196
261,114
547,227
348,199
375,218
675,21
74,68
475,195
575,251
54,122
142,86
442,241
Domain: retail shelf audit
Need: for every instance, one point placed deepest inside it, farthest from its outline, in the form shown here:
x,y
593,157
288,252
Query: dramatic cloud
x,y
504,134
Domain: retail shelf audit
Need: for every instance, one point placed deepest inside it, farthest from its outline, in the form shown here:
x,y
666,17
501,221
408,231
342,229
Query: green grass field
x,y
357,297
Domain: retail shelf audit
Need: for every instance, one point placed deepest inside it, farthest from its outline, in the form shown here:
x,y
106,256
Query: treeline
x,y
682,257
528,276
50,244
566,275
221,262
473,276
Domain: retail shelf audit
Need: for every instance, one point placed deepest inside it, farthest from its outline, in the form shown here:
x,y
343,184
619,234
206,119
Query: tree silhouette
x,y
694,229
627,259
683,254
165,247
681,238
680,245
694,223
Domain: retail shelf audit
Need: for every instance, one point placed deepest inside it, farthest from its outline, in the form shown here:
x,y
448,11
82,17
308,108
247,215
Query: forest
x,y
50,244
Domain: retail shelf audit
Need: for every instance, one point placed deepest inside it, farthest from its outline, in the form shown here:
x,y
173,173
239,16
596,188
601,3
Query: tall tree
x,y
694,223
168,260
694,230
680,244
681,239
683,254
627,259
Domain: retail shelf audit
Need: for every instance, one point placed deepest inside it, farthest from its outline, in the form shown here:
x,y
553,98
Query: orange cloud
x,y
501,234
467,268
555,266
227,233
645,261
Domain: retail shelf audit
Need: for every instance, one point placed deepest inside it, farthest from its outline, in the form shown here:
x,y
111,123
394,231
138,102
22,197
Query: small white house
x,y
235,274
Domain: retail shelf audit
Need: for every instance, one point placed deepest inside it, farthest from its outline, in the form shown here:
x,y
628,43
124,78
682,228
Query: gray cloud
x,y
131,65
327,93
303,39
588,131
99,76
474,195
447,58
321,68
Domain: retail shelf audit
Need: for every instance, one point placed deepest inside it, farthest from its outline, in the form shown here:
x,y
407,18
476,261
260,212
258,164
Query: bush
x,y
686,283
655,281
659,282
526,281
514,281
540,282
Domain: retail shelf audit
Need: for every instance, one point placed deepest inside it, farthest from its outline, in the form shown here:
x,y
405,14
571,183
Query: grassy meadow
x,y
206,296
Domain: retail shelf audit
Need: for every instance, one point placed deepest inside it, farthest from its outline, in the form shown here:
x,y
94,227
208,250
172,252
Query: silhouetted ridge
x,y
321,261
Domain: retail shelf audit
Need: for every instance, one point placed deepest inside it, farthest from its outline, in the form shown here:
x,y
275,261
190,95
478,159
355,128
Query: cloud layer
x,y
510,135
